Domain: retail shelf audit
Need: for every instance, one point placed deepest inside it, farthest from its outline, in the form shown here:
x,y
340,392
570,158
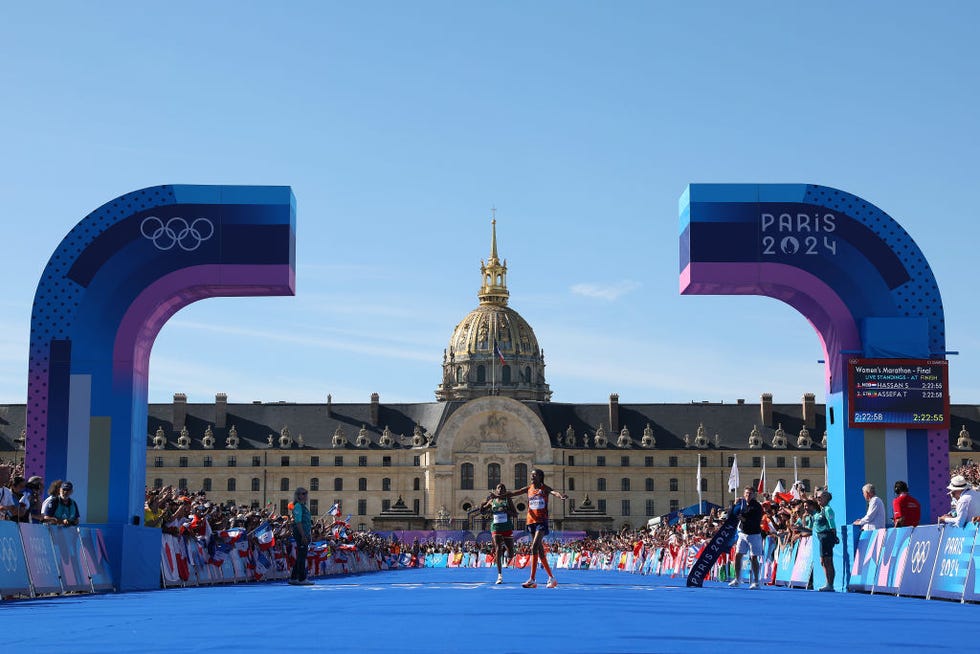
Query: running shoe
x,y
530,583
552,583
294,582
500,579
307,582
754,585
734,582
826,589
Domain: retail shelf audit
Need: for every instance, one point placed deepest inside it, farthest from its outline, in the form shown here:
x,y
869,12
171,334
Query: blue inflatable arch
x,y
863,284
108,289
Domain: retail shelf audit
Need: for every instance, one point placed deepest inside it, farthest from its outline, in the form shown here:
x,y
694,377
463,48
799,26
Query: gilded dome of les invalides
x,y
471,368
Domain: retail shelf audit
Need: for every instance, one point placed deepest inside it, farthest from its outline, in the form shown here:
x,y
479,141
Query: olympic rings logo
x,y
7,554
176,231
920,554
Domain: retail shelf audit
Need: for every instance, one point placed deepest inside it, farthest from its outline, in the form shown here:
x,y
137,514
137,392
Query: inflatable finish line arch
x,y
870,294
108,289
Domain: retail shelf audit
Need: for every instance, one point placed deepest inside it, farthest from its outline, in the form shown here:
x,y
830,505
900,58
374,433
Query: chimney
x,y
810,410
220,410
180,411
614,413
765,410
329,405
740,401
375,398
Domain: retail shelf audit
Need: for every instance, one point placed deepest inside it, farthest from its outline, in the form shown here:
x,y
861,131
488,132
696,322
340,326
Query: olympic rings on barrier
x,y
7,554
920,554
176,231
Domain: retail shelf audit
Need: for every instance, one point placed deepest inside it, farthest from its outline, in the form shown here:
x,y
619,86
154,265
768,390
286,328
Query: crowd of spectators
x,y
177,512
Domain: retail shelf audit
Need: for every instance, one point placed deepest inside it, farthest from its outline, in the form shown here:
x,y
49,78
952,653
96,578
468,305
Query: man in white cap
x,y
967,502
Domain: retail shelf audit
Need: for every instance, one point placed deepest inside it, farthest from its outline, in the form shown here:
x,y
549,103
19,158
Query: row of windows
x,y
481,374
674,462
314,485
493,476
232,461
362,461
520,479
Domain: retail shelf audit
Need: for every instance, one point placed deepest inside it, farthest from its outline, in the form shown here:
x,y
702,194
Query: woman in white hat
x,y
967,502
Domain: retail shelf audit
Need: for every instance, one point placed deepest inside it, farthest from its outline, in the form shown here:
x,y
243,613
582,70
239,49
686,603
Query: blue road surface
x,y
462,610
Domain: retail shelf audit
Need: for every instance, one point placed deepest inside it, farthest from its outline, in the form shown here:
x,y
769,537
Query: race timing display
x,y
899,393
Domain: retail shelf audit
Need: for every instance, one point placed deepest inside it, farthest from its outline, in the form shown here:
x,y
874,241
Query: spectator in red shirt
x,y
906,508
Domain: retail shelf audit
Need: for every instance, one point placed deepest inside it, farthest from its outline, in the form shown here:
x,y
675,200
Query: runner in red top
x,y
537,523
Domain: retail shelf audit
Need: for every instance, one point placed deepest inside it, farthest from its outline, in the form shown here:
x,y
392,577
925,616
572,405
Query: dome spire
x,y
494,273
493,235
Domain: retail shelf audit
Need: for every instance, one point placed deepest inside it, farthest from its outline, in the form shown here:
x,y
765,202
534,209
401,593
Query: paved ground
x,y
461,610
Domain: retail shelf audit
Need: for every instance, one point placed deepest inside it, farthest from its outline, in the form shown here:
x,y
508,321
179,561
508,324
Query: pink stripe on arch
x,y
811,296
159,301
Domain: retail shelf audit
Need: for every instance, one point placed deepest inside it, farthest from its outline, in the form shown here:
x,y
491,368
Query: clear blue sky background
x,y
399,124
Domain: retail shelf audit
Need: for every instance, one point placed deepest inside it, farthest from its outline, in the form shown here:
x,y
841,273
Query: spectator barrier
x,y
232,556
38,559
929,561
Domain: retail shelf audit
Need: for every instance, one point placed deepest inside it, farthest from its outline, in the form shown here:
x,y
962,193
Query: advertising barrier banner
x,y
921,556
864,567
67,548
14,579
784,564
95,561
953,564
971,592
41,563
803,564
891,565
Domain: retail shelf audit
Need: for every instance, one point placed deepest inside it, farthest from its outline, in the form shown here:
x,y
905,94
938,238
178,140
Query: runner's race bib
x,y
499,518
536,503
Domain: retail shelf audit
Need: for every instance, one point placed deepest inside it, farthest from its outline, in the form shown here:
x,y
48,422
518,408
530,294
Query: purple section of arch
x,y
165,297
808,294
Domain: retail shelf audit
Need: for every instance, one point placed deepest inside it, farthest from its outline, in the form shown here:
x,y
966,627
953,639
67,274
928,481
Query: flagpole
x,y
700,505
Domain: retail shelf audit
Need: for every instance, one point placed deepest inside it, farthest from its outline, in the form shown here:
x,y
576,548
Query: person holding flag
x,y
302,533
749,513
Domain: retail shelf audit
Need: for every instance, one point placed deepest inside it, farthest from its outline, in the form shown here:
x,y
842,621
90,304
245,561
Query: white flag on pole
x,y
796,481
733,476
699,483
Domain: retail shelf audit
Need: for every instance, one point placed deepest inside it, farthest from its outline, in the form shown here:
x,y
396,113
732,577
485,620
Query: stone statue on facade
x,y
803,441
184,440
648,441
159,439
964,442
231,441
779,438
362,437
208,440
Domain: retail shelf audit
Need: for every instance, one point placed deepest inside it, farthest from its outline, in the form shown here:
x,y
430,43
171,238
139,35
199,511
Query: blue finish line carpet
x,y
462,610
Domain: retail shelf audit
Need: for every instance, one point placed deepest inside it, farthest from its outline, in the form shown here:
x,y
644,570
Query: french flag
x,y
496,350
264,536
335,510
231,536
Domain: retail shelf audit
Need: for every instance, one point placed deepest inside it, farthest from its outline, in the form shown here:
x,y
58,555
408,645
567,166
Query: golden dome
x,y
493,350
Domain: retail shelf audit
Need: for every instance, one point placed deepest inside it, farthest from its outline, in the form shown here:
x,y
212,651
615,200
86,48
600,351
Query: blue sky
x,y
399,124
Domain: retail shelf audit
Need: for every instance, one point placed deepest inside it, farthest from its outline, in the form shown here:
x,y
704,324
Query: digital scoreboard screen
x,y
899,393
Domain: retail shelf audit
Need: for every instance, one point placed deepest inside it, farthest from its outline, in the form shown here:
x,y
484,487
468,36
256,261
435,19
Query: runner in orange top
x,y
537,523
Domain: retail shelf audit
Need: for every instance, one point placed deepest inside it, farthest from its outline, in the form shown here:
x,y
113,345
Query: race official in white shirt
x,y
875,517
